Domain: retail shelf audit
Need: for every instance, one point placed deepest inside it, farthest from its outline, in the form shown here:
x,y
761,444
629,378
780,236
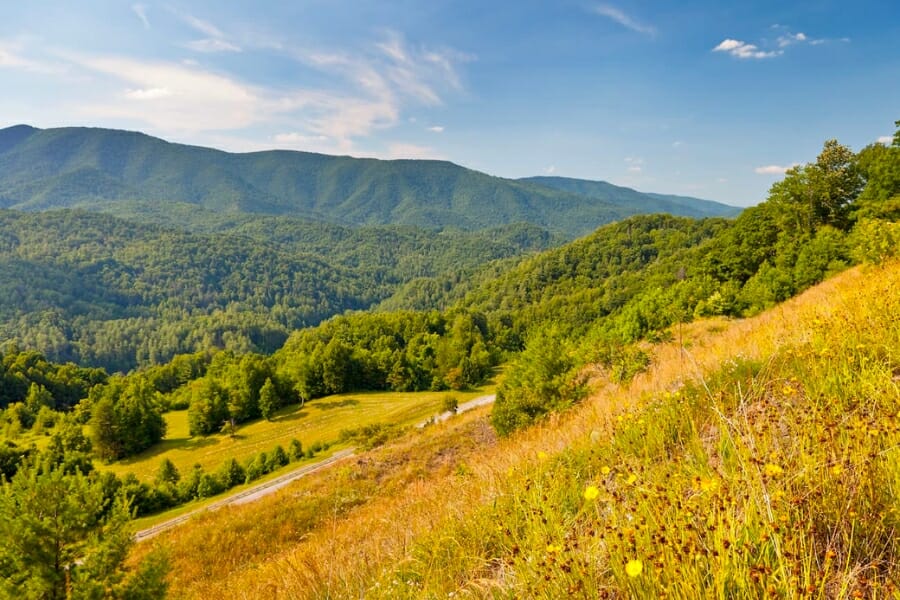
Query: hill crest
x,y
92,167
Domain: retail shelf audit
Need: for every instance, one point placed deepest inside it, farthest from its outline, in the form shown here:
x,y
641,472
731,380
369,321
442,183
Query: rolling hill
x,y
102,290
684,206
92,168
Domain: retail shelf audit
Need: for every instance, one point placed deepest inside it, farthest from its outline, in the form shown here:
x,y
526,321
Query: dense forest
x,y
103,291
69,167
823,216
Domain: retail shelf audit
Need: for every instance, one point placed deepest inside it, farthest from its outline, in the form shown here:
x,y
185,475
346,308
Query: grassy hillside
x,y
755,457
318,421
72,167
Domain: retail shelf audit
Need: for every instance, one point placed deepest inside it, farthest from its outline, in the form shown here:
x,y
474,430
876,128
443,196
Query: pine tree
x,y
62,539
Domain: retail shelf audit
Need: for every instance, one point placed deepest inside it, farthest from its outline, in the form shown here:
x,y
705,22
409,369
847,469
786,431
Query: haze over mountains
x,y
101,168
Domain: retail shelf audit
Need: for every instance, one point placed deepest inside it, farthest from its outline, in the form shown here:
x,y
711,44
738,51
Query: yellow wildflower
x,y
772,470
542,455
591,492
605,470
634,568
631,479
709,485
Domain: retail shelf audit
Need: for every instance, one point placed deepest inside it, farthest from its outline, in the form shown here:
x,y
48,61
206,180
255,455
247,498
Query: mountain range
x,y
99,169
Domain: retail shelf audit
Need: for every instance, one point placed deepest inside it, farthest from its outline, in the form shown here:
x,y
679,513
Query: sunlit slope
x,y
759,457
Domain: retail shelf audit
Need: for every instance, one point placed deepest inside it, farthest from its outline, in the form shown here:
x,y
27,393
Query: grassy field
x,y
760,459
318,421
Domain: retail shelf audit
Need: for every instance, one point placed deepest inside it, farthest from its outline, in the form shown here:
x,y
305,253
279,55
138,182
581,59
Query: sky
x,y
708,98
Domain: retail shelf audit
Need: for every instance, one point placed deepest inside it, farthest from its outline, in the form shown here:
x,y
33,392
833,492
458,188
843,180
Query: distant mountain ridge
x,y
89,167
686,206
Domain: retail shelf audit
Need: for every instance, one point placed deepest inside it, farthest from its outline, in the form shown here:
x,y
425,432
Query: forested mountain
x,y
103,291
641,201
82,167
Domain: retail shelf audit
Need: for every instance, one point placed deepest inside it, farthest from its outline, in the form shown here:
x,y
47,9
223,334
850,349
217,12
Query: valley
x,y
160,361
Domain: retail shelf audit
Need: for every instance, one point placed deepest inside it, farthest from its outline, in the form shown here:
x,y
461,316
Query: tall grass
x,y
758,458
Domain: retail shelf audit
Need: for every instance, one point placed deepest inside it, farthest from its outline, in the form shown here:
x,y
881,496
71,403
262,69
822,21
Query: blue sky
x,y
712,99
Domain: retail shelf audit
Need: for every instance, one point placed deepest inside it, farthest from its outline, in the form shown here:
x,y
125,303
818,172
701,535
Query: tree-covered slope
x,y
104,291
641,201
79,167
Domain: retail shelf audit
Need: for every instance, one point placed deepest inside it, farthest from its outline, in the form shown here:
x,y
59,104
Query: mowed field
x,y
320,420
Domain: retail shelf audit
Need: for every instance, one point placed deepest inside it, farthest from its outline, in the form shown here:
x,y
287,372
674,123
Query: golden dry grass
x,y
744,421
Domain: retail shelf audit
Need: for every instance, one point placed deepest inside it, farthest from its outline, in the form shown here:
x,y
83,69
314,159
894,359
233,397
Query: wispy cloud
x,y
184,98
774,169
13,56
215,40
771,48
886,140
359,94
210,45
204,27
293,138
402,150
382,83
148,93
787,38
635,164
550,170
790,39
140,10
619,16
744,50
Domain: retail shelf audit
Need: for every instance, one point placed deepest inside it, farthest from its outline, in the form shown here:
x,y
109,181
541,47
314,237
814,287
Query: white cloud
x,y
792,38
359,94
186,99
211,45
773,169
148,93
141,11
413,151
887,140
294,138
722,180
550,170
204,27
677,144
396,76
617,15
634,160
634,169
744,50
215,40
12,57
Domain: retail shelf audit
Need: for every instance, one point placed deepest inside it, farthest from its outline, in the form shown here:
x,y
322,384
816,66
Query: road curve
x,y
249,495
263,489
480,401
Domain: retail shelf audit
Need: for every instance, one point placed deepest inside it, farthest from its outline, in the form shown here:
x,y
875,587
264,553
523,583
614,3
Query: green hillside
x,y
103,291
82,167
644,202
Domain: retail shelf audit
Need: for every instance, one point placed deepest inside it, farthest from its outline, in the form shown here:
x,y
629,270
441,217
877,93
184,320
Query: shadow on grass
x,y
334,404
291,416
189,444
